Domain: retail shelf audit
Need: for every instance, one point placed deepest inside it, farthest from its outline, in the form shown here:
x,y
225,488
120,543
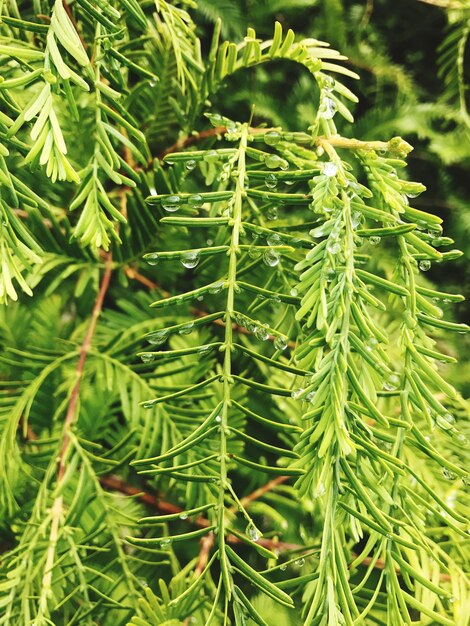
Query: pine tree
x,y
224,391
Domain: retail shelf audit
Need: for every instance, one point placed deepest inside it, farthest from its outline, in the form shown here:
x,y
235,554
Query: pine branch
x,y
57,509
307,344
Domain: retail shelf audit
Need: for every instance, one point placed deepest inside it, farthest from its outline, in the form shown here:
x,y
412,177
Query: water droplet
x,y
254,253
288,182
217,287
283,567
300,562
311,396
232,127
328,109
271,258
190,165
280,343
459,438
445,421
272,138
319,491
211,156
252,532
371,343
171,204
329,275
374,240
251,326
424,265
196,201
165,543
294,292
333,246
158,337
152,258
273,239
330,169
297,393
147,357
328,83
218,419
271,214
148,405
216,119
186,329
356,219
190,259
262,333
273,161
183,516
271,181
448,475
391,382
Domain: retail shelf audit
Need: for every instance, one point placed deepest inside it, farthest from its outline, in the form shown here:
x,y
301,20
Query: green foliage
x,y
227,399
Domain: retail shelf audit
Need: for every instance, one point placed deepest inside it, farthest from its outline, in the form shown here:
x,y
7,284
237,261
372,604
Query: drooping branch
x,y
56,511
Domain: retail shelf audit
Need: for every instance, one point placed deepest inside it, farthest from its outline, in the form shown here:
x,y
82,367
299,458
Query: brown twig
x,y
184,142
207,542
72,407
57,509
257,493
168,508
132,273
